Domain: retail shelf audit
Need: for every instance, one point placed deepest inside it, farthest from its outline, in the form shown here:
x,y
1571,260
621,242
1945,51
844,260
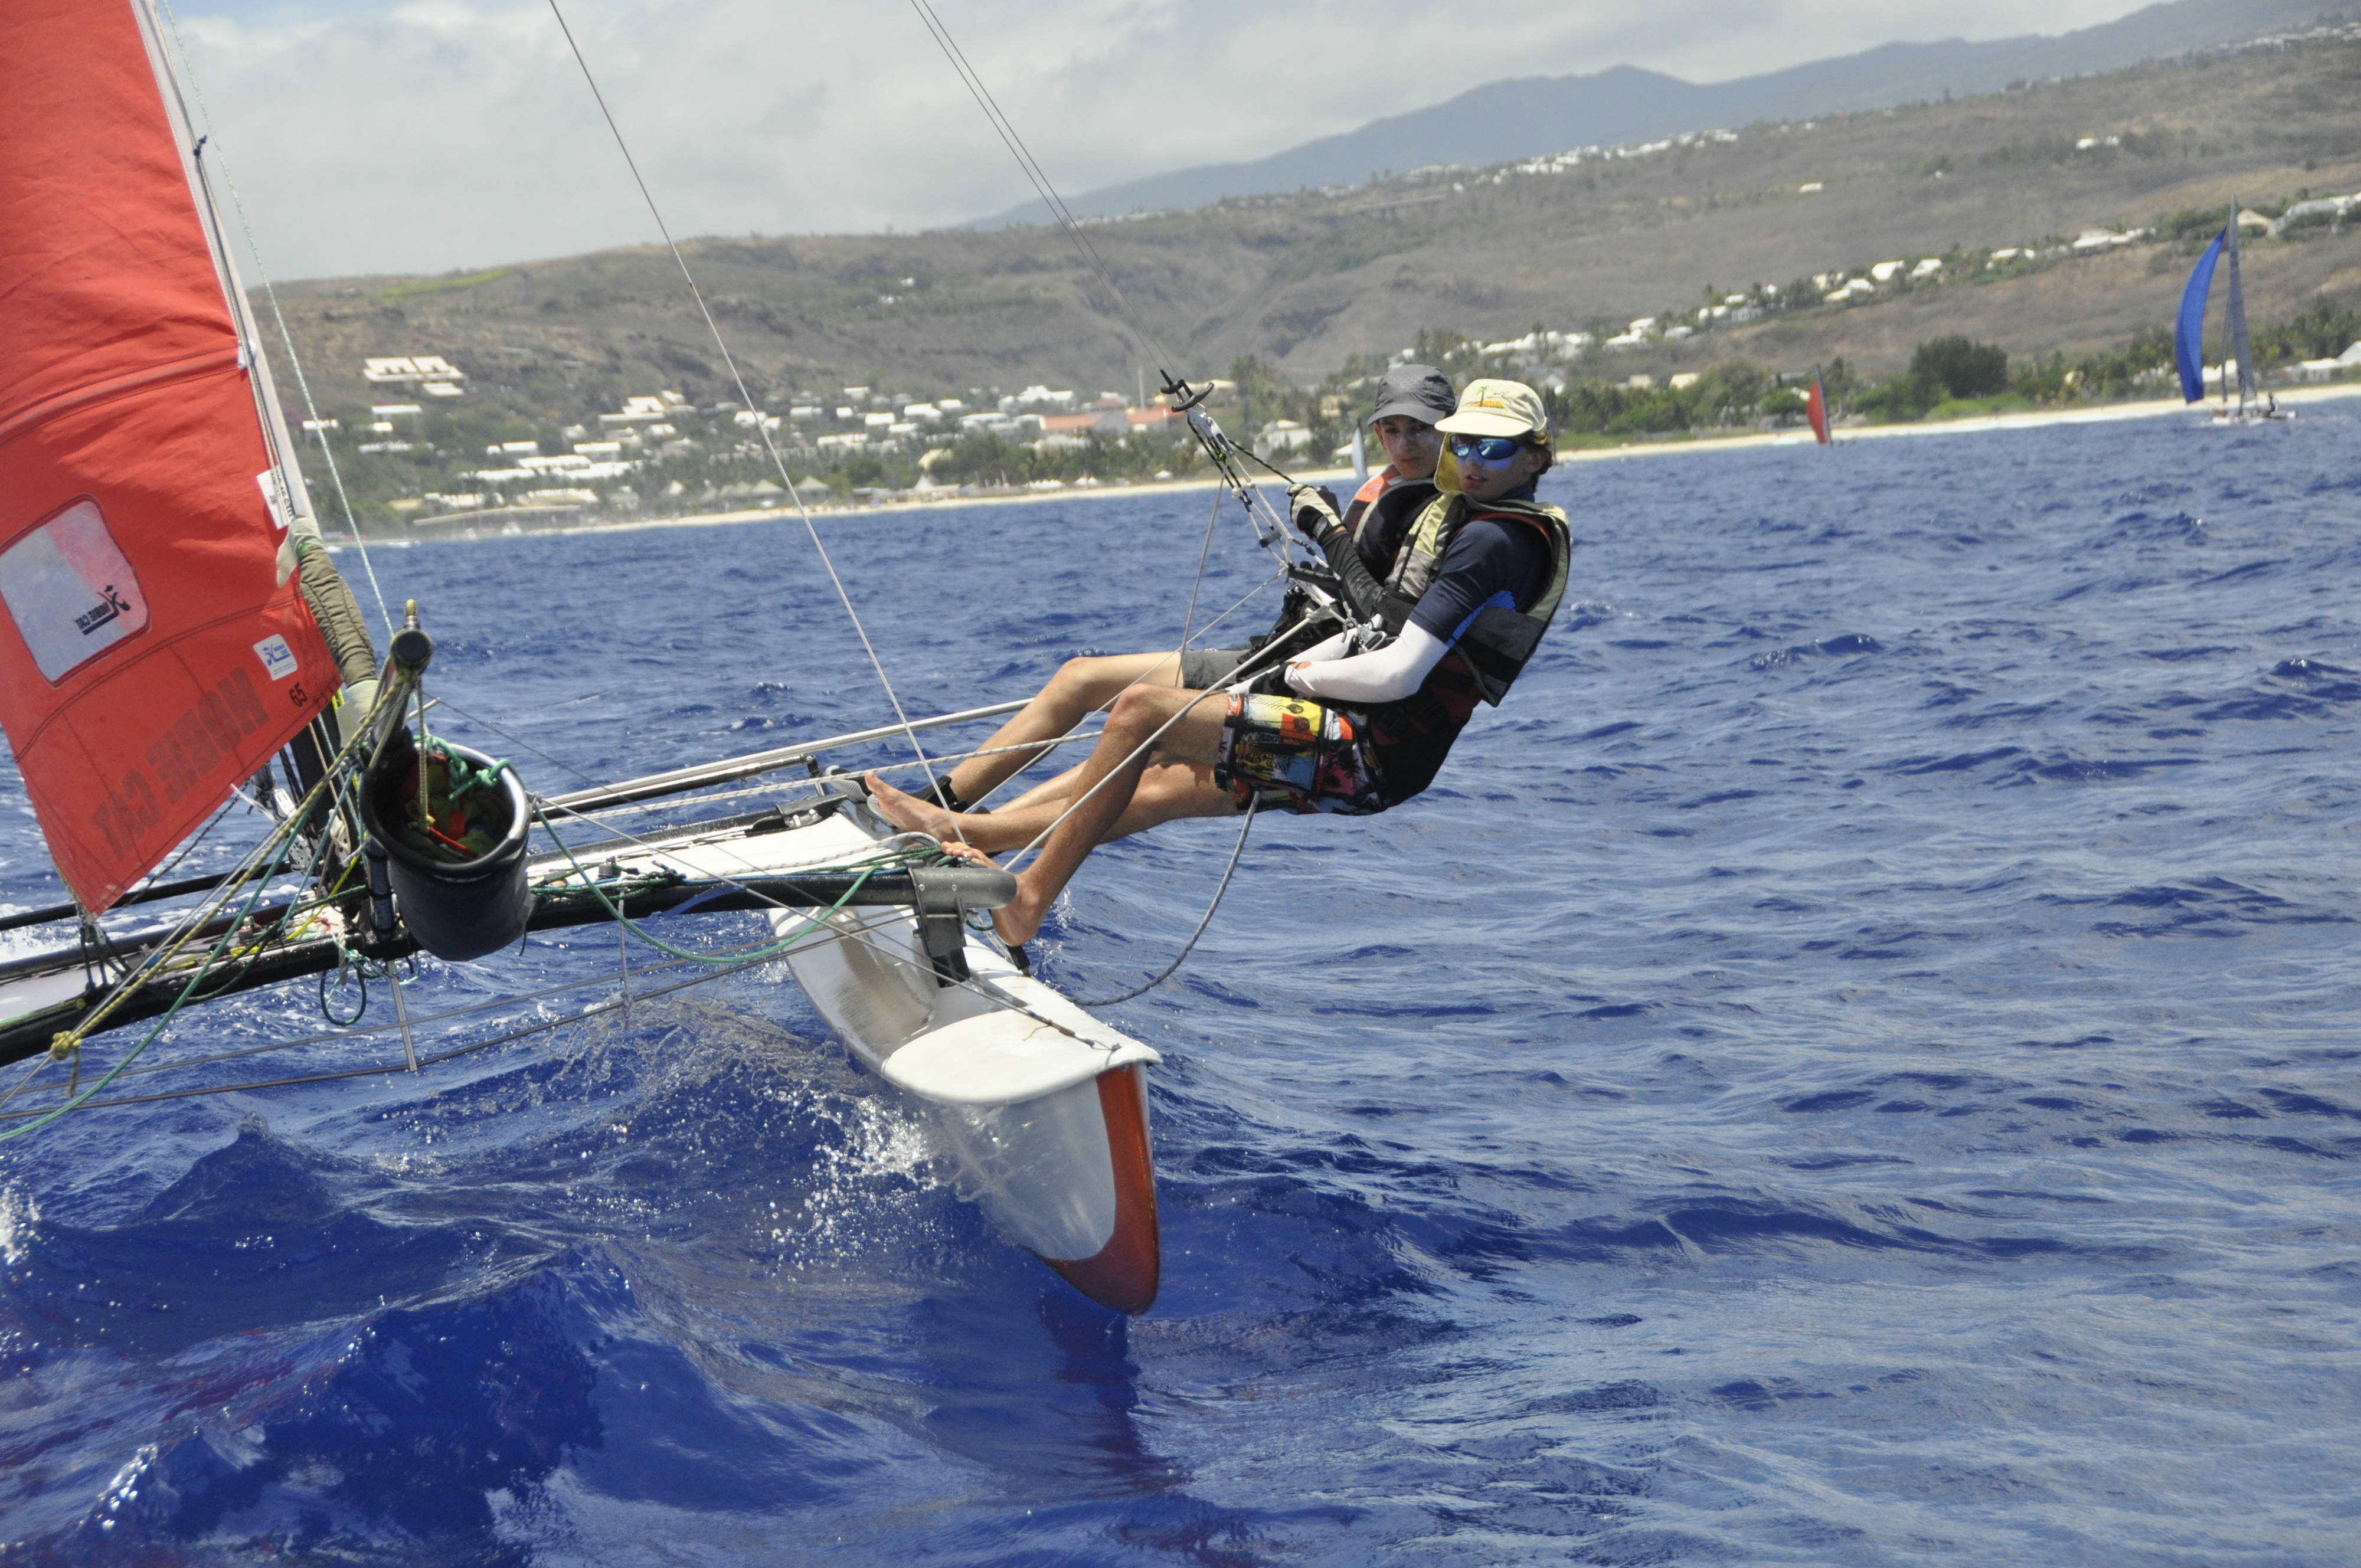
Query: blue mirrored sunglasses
x,y
1485,448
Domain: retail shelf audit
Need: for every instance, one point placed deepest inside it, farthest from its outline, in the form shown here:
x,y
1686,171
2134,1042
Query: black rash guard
x,y
1488,563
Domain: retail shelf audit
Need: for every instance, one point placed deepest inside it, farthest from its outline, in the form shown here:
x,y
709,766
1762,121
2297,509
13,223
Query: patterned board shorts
x,y
1300,754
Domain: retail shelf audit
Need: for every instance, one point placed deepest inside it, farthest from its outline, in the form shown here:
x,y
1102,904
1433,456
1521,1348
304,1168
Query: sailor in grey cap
x,y
1366,717
1412,399
1408,402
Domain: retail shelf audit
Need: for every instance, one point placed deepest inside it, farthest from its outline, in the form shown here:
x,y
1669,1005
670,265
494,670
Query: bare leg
x,y
1132,742
1079,686
1061,790
1167,792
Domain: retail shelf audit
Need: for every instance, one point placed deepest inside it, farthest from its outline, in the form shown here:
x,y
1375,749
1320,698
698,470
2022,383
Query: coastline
x,y
2104,413
460,533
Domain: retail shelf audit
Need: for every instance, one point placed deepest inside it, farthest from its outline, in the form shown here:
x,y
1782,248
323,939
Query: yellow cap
x,y
1498,407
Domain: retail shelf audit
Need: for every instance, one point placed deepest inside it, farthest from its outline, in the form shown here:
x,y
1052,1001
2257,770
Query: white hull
x,y
1043,1108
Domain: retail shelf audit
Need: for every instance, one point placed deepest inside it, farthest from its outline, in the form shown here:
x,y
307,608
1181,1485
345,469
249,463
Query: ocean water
x,y
1858,1062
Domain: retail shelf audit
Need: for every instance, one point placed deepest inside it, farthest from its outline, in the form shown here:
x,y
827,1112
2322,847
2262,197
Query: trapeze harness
x,y
1408,738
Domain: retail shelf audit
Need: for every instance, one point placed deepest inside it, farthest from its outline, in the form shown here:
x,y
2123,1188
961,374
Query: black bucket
x,y
460,901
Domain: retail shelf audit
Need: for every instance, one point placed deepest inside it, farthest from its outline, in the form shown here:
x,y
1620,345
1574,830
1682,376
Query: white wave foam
x,y
18,1215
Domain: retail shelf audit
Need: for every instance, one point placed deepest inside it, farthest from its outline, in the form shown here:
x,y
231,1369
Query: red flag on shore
x,y
1816,408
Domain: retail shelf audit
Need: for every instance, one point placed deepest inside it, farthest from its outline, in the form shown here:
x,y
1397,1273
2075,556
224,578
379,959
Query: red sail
x,y
1816,408
154,651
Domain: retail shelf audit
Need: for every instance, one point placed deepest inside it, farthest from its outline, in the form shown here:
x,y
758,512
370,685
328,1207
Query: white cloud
x,y
440,134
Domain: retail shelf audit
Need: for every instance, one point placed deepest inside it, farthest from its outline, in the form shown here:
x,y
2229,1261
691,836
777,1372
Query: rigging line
x,y
1075,733
771,789
286,338
1189,947
1204,554
760,429
624,924
1033,171
39,1062
740,957
990,995
884,846
160,873
75,1101
390,1026
1040,746
341,771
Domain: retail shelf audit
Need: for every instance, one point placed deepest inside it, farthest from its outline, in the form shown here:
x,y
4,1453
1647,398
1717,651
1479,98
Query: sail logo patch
x,y
277,658
110,605
69,590
281,506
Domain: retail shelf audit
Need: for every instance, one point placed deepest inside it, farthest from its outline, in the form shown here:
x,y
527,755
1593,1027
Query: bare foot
x,y
961,850
907,812
1019,920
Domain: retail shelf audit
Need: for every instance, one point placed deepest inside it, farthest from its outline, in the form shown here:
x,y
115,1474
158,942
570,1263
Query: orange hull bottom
x,y
1124,1273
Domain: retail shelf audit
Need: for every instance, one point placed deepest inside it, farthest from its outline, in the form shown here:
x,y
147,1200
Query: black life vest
x,y
1380,516
1500,640
1412,737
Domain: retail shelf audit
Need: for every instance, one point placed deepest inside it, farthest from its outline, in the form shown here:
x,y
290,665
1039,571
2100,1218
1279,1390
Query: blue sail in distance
x,y
2189,332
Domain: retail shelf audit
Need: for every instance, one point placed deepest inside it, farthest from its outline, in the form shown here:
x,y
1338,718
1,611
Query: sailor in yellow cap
x,y
1365,719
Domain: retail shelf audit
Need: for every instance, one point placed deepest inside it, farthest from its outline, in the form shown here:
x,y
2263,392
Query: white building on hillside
x,y
1280,437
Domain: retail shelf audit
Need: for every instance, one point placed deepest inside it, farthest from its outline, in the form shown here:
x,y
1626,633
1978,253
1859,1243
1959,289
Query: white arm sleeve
x,y
1389,674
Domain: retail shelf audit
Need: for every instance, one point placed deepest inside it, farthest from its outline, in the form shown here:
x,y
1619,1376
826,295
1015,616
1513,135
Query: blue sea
x,y
1858,1062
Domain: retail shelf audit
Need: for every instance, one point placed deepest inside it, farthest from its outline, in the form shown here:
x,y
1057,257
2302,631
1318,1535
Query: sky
x,y
430,136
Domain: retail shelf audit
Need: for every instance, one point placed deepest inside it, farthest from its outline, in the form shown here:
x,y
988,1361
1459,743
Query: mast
x,y
292,500
325,592
2239,345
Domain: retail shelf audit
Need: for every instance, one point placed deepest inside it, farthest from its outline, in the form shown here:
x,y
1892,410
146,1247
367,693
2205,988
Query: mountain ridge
x,y
1527,117
1308,282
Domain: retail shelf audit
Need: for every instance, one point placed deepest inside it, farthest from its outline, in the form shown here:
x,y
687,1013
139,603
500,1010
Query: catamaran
x,y
2238,351
177,636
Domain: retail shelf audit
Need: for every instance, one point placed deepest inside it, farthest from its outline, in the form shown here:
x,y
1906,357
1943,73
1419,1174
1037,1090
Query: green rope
x,y
462,778
204,968
360,980
752,955
342,773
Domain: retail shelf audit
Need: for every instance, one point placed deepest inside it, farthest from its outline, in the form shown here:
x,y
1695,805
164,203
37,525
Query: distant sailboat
x,y
2189,335
1816,408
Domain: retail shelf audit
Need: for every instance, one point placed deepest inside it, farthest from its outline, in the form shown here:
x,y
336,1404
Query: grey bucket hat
x,y
1415,391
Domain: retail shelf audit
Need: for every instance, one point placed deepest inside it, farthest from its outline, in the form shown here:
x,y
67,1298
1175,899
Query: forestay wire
x,y
1218,446
1039,178
746,398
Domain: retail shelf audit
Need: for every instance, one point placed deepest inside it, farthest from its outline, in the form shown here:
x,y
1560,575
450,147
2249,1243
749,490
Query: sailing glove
x,y
1316,511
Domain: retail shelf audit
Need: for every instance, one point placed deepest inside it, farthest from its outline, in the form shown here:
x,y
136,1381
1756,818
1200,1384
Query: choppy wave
x,y
1856,1063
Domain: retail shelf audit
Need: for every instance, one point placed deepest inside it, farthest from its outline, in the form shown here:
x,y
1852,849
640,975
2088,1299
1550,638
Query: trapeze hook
x,y
1174,388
